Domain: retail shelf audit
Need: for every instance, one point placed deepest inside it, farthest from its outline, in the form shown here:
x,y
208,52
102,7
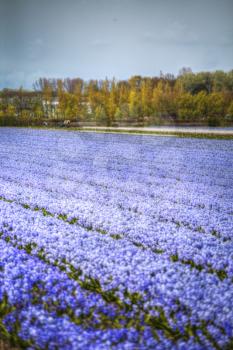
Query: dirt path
x,y
184,130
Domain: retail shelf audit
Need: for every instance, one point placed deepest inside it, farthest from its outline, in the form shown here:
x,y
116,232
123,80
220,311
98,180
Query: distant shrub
x,y
213,121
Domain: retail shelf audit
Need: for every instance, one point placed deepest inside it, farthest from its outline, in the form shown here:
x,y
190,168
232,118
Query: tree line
x,y
204,98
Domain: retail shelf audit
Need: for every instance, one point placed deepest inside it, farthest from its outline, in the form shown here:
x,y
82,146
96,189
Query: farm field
x,y
113,241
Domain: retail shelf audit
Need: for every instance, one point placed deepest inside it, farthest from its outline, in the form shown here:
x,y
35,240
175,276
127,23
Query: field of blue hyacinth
x,y
111,241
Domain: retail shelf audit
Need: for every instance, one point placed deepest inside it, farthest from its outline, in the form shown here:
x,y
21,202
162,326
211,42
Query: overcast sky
x,y
120,38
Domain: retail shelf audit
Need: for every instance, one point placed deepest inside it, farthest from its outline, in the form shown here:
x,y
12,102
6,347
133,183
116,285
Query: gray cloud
x,y
95,39
99,43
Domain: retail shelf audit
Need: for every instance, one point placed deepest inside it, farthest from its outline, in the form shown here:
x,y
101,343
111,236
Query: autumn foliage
x,y
204,98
